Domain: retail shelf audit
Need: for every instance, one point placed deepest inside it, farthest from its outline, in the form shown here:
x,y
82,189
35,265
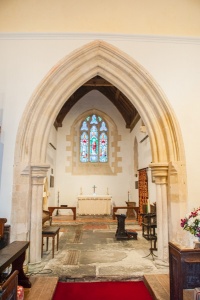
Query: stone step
x,y
159,287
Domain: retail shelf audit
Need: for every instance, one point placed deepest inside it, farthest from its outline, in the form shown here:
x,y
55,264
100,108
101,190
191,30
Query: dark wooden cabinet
x,y
184,268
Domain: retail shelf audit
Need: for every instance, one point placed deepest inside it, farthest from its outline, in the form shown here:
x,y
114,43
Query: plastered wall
x,y
180,17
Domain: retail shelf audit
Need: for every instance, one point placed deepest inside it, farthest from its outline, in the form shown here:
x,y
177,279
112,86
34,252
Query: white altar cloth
x,y
94,205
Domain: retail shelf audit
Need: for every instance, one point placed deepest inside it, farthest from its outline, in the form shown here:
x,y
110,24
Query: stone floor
x,y
88,250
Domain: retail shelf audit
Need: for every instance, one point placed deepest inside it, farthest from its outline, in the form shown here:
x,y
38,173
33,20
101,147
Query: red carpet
x,y
133,290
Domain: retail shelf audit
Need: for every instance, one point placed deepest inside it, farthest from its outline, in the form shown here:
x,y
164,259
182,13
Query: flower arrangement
x,y
191,222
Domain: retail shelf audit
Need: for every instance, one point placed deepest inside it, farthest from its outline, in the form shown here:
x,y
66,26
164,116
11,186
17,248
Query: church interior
x,y
98,147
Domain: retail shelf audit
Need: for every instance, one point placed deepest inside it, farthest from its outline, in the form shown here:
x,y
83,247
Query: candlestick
x,y
94,188
57,213
148,206
128,196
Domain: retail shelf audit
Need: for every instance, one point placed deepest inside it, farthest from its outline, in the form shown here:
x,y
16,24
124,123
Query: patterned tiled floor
x,y
90,222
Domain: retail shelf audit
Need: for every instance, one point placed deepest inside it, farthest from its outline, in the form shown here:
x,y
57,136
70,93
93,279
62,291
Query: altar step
x,y
42,288
159,288
158,285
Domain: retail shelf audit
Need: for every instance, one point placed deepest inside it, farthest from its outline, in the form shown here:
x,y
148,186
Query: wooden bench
x,y
73,208
52,232
115,208
14,254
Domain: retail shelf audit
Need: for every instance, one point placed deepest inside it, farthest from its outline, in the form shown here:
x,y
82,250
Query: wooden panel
x,y
159,287
184,266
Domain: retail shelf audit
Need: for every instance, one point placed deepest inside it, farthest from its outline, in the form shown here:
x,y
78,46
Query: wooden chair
x,y
8,290
50,232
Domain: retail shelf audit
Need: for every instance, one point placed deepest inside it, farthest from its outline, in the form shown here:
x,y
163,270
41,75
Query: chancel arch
x,y
30,168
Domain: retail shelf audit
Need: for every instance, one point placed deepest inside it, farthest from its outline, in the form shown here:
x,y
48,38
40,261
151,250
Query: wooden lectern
x,y
130,212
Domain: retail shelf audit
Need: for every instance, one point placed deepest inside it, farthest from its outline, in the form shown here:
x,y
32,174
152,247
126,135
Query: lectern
x,y
121,233
130,213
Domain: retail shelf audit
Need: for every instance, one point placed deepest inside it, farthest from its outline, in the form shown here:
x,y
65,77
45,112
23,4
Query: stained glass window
x,y
93,140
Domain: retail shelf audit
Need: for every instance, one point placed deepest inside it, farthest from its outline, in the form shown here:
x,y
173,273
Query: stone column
x,y
160,175
38,173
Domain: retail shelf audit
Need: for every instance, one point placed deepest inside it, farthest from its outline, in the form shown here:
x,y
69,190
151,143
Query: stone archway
x,y
168,164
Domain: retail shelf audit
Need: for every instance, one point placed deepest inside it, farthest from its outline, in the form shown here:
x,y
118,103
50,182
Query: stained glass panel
x,y
84,147
84,126
93,144
94,120
103,148
103,127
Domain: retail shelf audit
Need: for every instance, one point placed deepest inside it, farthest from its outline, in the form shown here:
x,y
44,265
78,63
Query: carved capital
x,y
38,173
159,172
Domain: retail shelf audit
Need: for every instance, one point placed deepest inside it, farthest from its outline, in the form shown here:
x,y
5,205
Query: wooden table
x,y
14,254
73,208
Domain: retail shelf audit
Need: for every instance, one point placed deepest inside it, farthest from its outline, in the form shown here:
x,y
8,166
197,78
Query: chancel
x,y
106,109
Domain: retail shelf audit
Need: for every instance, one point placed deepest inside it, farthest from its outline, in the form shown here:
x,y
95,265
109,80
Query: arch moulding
x,y
96,58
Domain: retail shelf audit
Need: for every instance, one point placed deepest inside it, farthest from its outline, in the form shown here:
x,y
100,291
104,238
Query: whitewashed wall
x,y
173,62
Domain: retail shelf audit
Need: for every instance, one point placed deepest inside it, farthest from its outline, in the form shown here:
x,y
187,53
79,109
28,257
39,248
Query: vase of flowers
x,y
191,223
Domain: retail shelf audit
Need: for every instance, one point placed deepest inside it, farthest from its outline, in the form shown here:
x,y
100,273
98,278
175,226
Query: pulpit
x,y
94,205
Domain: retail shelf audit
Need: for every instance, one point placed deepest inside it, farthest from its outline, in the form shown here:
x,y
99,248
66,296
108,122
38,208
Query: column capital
x,y
159,172
37,172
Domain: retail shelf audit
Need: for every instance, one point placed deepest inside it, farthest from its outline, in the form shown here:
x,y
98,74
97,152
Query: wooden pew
x,y
9,287
14,254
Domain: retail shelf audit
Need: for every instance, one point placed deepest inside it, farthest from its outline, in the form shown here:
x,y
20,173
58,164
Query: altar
x,y
94,205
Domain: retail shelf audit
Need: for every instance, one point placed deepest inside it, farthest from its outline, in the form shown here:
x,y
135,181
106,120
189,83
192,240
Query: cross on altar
x,y
94,187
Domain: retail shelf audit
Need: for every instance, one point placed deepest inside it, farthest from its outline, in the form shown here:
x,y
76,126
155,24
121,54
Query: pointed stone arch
x,y
103,59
